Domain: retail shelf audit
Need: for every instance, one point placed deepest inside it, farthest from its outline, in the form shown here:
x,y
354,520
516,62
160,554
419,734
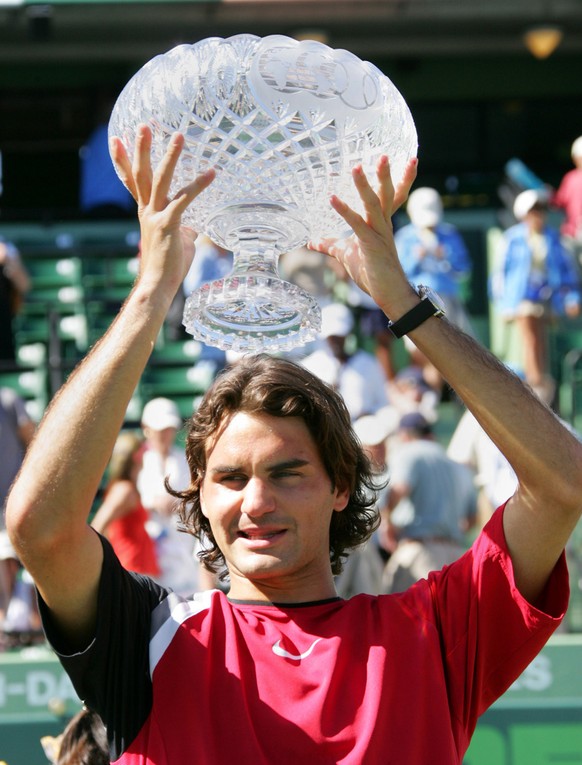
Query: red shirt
x,y
569,198
391,680
132,544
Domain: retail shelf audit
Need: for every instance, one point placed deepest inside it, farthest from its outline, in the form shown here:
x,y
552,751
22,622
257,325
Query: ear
x,y
342,497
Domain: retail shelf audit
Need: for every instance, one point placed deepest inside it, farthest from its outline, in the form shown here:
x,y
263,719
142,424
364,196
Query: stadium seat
x,y
31,385
175,352
172,380
109,278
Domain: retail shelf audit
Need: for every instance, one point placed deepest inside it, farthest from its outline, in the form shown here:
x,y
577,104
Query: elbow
x,y
16,515
20,518
28,527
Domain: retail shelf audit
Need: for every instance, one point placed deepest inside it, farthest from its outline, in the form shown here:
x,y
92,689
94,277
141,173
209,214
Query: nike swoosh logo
x,y
295,656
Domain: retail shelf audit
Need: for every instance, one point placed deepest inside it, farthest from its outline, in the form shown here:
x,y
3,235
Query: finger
x,y
186,195
164,173
122,164
403,188
351,217
375,216
142,165
322,245
386,187
370,199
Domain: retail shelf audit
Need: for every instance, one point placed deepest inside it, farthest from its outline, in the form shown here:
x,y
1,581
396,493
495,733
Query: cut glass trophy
x,y
283,122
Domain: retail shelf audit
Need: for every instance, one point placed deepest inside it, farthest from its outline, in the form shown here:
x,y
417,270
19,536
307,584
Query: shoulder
x,y
8,397
448,229
514,232
14,405
365,360
406,235
122,491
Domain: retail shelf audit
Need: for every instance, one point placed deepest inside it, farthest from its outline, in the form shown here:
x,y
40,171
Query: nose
x,y
258,498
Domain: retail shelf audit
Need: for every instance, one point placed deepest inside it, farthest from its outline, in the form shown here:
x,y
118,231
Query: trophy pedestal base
x,y
252,313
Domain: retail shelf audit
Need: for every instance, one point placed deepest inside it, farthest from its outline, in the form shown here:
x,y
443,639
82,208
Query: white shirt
x,y
176,550
360,380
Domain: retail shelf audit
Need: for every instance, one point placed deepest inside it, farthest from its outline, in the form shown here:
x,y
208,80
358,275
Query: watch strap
x,y
413,318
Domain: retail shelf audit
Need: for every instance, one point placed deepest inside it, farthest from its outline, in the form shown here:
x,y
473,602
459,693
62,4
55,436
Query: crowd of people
x,y
535,279
274,432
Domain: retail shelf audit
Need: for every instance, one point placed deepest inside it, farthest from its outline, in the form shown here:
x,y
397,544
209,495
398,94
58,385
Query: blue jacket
x,y
510,283
444,274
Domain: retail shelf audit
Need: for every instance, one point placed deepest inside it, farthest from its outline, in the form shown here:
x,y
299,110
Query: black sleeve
x,y
111,675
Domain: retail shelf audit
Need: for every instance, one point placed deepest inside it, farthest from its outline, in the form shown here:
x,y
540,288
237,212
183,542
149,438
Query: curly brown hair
x,y
280,388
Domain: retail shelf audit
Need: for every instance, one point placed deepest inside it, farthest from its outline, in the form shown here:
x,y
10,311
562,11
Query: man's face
x,y
269,501
337,345
160,440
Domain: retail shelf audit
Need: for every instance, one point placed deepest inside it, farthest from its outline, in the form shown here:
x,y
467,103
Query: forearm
x,y
17,274
539,448
65,462
545,456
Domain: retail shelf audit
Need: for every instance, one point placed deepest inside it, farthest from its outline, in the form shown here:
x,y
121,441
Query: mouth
x,y
260,537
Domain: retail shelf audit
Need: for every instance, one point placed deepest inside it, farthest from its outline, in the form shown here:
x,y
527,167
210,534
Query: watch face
x,y
434,297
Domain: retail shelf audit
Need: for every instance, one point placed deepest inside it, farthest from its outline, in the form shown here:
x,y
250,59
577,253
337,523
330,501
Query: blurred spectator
x,y
362,570
122,517
370,320
83,742
494,477
357,376
309,270
210,263
16,432
101,193
569,198
433,254
162,459
431,505
410,392
535,279
14,284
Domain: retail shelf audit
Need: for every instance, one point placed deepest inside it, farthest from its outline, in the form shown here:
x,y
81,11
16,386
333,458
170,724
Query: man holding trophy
x,y
280,670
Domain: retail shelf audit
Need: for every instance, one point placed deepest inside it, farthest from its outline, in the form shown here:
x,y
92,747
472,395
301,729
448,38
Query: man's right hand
x,y
166,246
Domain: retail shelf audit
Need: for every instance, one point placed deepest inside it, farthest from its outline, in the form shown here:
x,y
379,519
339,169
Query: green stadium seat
x,y
170,381
109,278
176,352
32,354
31,385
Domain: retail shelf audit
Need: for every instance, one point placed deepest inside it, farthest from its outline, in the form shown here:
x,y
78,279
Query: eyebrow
x,y
286,465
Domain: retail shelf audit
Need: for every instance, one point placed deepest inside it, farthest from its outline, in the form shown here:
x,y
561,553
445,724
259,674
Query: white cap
x,y
337,320
528,199
425,207
161,413
577,147
371,429
390,417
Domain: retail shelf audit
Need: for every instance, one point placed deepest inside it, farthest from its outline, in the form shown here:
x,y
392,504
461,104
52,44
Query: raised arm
x,y
546,458
52,496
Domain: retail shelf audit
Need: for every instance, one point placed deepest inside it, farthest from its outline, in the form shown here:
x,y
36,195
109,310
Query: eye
x,y
282,474
233,479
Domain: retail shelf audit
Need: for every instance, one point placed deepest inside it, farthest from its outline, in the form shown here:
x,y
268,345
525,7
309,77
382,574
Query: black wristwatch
x,y
430,305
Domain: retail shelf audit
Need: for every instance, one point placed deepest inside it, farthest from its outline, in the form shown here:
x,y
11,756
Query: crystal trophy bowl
x,y
283,122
